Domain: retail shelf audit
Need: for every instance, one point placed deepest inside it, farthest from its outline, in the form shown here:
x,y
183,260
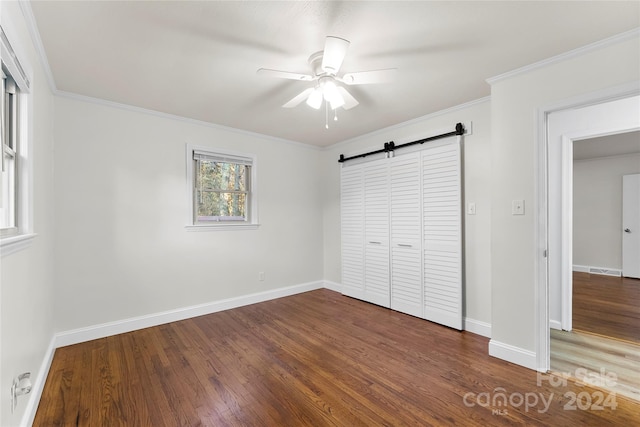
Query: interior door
x,y
352,230
376,229
406,210
442,225
631,226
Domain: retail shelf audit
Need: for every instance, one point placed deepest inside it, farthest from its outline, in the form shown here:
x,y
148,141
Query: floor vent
x,y
605,271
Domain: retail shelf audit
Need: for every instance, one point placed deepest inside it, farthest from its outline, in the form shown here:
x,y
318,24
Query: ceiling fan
x,y
325,66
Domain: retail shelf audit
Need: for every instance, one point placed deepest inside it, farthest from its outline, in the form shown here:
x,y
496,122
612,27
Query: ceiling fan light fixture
x,y
315,99
331,94
336,103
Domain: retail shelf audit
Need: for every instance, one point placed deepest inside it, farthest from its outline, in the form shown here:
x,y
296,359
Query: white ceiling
x,y
199,59
605,146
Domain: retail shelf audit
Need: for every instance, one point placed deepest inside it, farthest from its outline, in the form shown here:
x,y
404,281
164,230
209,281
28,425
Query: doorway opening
x,y
605,305
565,129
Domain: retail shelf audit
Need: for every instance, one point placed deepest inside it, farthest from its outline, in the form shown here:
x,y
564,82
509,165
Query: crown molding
x,y
566,55
410,122
174,117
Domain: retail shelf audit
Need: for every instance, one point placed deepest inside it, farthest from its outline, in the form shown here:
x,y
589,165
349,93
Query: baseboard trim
x,y
512,354
333,286
38,386
470,325
555,324
477,327
89,333
581,268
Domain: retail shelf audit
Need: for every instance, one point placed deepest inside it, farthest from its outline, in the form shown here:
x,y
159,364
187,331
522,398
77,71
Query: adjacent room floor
x,y
604,345
607,305
312,359
613,364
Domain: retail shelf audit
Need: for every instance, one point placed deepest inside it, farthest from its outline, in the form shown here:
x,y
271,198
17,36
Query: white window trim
x,y
251,223
13,56
11,244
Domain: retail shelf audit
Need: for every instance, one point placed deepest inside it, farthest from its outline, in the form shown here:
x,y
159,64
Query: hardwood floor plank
x,y
607,305
312,359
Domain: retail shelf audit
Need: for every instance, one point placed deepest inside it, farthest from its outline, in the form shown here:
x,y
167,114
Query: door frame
x,y
543,204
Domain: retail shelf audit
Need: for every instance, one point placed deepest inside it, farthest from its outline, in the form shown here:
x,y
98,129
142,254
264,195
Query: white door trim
x,y
567,232
541,211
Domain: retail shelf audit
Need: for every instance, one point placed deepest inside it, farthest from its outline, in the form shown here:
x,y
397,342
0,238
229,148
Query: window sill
x,y
221,227
11,244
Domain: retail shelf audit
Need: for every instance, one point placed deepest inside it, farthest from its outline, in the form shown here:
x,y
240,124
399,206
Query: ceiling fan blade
x,y
335,50
298,98
284,75
370,77
349,101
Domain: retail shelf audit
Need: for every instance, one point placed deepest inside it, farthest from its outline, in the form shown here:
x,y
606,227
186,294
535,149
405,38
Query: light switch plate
x,y
471,208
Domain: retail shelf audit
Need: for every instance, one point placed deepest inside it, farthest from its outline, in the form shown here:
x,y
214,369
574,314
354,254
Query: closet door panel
x,y
376,226
352,230
406,283
442,234
406,264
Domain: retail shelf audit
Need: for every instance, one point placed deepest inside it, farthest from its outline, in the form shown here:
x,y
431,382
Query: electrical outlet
x,y
21,386
517,207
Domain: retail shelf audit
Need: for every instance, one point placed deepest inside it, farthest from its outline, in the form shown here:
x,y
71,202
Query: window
x,y
16,216
9,124
222,189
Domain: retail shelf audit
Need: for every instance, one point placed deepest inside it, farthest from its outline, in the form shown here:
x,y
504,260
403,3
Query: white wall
x,y
477,188
26,277
121,207
515,102
597,209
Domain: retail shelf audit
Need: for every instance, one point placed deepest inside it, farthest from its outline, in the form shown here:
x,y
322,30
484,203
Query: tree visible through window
x,y
222,188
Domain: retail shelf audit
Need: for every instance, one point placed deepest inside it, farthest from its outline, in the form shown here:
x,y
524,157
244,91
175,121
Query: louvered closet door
x,y
406,264
352,230
442,233
376,224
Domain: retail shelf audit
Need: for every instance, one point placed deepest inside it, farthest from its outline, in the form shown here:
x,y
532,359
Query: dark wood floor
x,y
607,305
312,359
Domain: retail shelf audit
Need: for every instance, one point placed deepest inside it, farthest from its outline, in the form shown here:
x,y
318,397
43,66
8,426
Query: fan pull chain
x,y
326,115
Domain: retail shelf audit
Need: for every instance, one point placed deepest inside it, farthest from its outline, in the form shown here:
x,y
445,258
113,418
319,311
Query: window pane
x,y
9,122
220,206
221,191
222,176
8,209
